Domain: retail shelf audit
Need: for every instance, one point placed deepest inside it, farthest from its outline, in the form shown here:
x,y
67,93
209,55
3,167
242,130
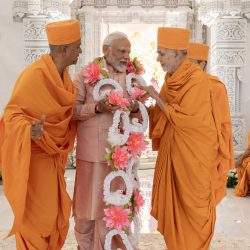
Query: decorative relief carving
x,y
241,74
229,57
239,137
33,54
230,84
57,9
141,3
35,7
20,10
229,30
34,29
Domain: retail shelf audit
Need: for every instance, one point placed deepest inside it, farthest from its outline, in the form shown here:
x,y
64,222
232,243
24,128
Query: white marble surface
x,y
233,217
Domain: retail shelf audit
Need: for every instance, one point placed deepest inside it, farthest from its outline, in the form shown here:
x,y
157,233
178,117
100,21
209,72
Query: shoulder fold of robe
x,y
38,91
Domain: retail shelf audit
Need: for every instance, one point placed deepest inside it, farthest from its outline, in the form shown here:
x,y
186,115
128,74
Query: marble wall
x,y
14,48
11,51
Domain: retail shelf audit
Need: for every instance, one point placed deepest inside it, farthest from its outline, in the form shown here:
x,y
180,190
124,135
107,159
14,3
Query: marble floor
x,y
233,217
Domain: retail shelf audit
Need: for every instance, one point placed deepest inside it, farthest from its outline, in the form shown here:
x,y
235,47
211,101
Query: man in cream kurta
x,y
94,120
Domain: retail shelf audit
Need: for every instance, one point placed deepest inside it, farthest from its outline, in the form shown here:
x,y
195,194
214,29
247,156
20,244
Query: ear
x,y
203,64
105,49
177,53
64,49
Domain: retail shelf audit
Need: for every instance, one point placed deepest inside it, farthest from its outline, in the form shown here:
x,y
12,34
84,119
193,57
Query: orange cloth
x,y
173,38
243,186
221,112
185,135
198,51
63,32
243,171
39,91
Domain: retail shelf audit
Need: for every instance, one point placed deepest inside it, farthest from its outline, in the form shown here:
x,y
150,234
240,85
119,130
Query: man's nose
x,y
126,55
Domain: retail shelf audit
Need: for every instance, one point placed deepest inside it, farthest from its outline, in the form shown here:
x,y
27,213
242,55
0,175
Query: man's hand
x,y
133,107
104,106
36,130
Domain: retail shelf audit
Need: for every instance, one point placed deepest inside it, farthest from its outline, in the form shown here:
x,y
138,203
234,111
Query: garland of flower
x,y
126,146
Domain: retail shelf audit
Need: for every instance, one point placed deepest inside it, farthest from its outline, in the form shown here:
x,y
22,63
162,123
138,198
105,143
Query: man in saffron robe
x,y
243,170
183,131
94,120
36,135
198,54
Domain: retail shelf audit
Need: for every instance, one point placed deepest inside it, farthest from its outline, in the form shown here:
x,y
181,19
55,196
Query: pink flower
x,y
130,68
139,201
120,157
91,73
139,67
116,98
136,143
116,217
137,93
140,95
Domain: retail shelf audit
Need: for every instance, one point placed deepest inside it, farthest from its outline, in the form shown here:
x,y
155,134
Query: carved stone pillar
x,y
228,57
35,14
35,40
91,41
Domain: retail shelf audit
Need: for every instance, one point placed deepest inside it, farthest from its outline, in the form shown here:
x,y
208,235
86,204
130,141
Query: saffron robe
x,y
33,171
243,171
222,119
183,199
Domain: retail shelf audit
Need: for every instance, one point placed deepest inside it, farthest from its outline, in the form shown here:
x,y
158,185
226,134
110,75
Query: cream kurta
x,y
91,169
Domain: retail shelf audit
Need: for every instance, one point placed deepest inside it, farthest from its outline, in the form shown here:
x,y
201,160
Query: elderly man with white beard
x,y
94,120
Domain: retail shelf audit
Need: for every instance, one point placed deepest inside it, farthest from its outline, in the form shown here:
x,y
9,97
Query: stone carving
x,y
239,138
35,7
56,9
33,54
229,57
231,30
20,10
241,74
34,29
141,3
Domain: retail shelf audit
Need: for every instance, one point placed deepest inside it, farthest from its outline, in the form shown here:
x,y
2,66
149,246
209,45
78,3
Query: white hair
x,y
114,36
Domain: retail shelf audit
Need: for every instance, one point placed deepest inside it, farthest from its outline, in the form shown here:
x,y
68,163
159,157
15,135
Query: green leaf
x,y
104,73
113,167
108,156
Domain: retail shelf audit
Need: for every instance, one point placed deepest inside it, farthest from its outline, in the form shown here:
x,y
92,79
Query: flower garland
x,y
127,142
95,71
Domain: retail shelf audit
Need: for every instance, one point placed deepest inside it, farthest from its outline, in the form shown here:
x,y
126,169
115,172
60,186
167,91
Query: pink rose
x,y
136,143
130,68
139,201
116,217
116,98
91,73
120,157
